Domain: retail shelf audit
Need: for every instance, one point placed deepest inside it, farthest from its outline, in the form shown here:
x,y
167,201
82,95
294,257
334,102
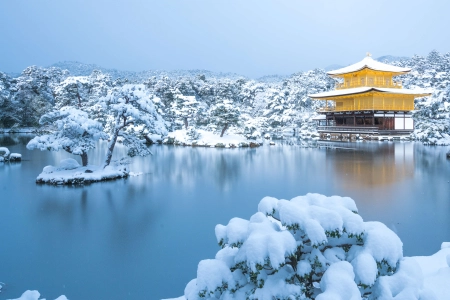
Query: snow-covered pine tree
x,y
8,117
224,114
311,247
72,131
33,93
132,115
184,108
84,92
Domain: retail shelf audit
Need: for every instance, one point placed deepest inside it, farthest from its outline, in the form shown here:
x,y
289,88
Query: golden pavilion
x,y
367,100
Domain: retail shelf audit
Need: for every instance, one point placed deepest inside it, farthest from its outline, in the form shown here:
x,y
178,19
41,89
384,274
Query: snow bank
x,y
311,247
70,172
202,138
436,271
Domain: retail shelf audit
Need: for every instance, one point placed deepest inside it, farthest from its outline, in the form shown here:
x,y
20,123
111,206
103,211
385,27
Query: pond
x,y
142,237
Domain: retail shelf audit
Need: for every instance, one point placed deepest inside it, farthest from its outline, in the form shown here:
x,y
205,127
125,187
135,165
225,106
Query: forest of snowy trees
x,y
204,100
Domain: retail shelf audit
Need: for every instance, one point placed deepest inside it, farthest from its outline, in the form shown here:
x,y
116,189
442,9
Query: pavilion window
x,y
359,121
368,120
379,121
349,121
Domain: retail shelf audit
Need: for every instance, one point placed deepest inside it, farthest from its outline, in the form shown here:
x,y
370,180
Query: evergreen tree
x,y
132,116
224,114
72,131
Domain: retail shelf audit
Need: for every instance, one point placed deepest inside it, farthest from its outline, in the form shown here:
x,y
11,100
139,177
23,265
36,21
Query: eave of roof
x,y
369,63
360,90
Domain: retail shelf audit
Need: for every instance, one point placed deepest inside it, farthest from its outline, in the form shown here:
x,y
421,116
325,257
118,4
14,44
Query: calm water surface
x,y
142,237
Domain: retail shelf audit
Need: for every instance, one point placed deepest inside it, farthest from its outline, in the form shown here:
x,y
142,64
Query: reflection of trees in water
x,y
431,157
190,167
14,139
227,169
431,163
115,208
7,140
371,165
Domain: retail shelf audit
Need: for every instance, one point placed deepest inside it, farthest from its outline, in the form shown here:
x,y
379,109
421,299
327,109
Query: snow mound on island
x,y
71,172
311,247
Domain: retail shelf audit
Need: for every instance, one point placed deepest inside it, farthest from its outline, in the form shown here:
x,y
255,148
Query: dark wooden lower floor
x,y
369,122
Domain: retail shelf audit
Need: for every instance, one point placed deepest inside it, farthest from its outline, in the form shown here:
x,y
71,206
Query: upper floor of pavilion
x,y
368,73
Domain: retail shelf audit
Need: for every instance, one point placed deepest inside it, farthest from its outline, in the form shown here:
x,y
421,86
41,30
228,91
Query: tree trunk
x,y
185,122
224,129
79,100
84,159
111,145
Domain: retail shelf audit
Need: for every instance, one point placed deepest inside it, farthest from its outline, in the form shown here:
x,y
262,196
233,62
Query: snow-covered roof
x,y
370,63
366,89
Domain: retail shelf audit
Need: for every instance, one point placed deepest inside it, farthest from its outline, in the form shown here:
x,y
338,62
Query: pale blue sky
x,y
249,37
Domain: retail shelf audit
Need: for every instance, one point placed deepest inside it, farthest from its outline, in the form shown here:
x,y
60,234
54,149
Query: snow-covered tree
x,y
8,115
33,93
311,247
132,116
84,92
184,108
224,114
72,131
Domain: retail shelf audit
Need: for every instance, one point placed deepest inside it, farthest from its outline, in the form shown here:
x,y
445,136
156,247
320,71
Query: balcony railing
x,y
352,128
375,83
364,107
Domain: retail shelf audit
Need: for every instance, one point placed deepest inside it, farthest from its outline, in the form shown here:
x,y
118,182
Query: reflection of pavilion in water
x,y
363,165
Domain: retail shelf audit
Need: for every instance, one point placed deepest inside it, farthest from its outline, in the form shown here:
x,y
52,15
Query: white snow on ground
x,y
436,271
208,139
70,172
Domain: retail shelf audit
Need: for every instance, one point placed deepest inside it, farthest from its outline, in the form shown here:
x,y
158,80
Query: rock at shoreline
x,y
6,155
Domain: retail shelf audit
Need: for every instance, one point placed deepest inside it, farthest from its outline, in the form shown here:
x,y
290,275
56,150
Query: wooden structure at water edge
x,y
367,101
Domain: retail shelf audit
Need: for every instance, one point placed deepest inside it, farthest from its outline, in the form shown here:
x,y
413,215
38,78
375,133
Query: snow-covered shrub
x,y
192,134
311,247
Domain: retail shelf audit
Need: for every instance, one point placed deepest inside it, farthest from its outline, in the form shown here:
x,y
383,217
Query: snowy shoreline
x,y
209,139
